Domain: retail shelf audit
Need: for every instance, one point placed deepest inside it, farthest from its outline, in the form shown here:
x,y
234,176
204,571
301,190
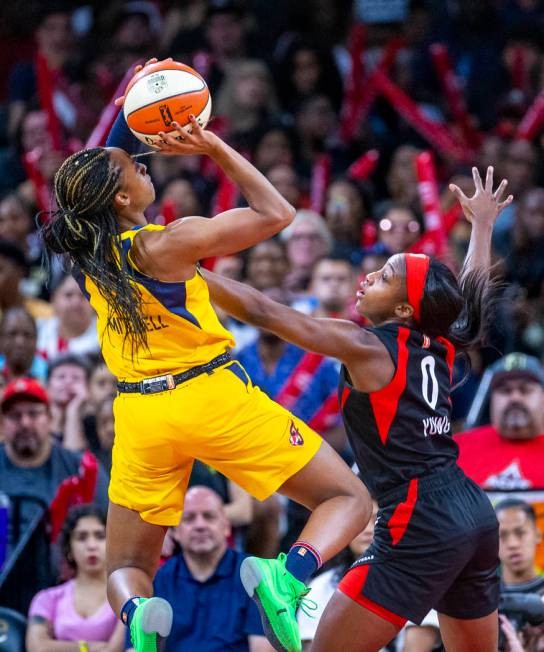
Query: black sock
x,y
128,610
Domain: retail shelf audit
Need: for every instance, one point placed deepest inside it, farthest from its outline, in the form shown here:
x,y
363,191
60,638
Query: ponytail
x,y
85,228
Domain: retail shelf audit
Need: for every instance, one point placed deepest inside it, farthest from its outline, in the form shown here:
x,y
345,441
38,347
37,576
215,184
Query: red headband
x,y
417,266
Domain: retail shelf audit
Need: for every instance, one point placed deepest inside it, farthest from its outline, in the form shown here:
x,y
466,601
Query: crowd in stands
x,y
360,113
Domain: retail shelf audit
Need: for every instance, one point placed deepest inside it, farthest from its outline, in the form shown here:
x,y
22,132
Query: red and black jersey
x,y
403,430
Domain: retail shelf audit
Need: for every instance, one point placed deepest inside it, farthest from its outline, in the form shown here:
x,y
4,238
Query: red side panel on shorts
x,y
353,584
403,513
385,401
345,394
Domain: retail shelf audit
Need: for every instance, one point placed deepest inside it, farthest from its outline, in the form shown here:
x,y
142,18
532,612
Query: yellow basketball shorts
x,y
219,418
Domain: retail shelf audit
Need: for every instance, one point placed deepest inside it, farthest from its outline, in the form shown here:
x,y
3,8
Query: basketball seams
x,y
189,70
196,90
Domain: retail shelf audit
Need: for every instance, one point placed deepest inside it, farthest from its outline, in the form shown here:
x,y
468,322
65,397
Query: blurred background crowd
x,y
360,112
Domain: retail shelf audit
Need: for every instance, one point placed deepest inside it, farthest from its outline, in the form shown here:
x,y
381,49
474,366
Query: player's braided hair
x,y
84,227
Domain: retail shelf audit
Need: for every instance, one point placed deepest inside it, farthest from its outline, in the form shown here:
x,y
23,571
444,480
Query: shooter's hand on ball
x,y
181,141
119,101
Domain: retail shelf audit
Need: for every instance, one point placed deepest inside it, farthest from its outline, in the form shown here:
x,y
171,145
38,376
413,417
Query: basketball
x,y
162,93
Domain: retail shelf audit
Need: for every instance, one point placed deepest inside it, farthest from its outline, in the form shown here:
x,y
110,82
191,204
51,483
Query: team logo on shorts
x,y
295,438
156,83
426,342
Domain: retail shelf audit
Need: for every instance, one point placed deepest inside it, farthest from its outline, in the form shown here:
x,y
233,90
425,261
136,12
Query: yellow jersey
x,y
183,330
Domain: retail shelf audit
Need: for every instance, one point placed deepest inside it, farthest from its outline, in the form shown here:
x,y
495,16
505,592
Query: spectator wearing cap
x,y
30,463
507,453
13,270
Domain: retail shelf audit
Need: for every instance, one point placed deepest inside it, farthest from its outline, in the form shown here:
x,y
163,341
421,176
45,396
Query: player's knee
x,y
359,501
349,485
134,562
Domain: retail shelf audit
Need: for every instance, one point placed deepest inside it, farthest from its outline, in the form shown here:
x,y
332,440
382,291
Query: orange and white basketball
x,y
162,93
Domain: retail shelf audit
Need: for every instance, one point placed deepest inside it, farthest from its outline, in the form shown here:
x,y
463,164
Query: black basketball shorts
x,y
435,546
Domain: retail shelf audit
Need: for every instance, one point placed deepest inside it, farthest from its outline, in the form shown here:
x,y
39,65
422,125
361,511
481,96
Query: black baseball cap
x,y
516,365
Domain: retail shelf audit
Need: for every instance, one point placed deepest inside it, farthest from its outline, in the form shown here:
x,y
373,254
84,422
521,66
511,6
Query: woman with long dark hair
x,y
180,395
306,68
76,615
436,537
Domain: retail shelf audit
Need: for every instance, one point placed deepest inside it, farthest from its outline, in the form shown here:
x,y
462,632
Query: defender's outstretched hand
x,y
485,205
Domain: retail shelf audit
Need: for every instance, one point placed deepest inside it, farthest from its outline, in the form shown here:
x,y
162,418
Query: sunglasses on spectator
x,y
410,227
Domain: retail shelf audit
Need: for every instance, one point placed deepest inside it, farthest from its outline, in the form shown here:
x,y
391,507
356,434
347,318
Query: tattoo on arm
x,y
38,620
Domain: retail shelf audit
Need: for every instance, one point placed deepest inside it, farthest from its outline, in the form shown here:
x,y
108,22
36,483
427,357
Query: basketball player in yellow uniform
x,y
181,396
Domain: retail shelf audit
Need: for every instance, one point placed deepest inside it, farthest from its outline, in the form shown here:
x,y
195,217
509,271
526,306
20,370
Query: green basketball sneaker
x,y
278,595
151,624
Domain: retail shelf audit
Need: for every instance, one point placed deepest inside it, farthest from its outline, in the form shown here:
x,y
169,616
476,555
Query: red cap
x,y
21,389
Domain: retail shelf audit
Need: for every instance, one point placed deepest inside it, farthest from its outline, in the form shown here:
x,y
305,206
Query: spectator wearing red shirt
x,y
507,454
